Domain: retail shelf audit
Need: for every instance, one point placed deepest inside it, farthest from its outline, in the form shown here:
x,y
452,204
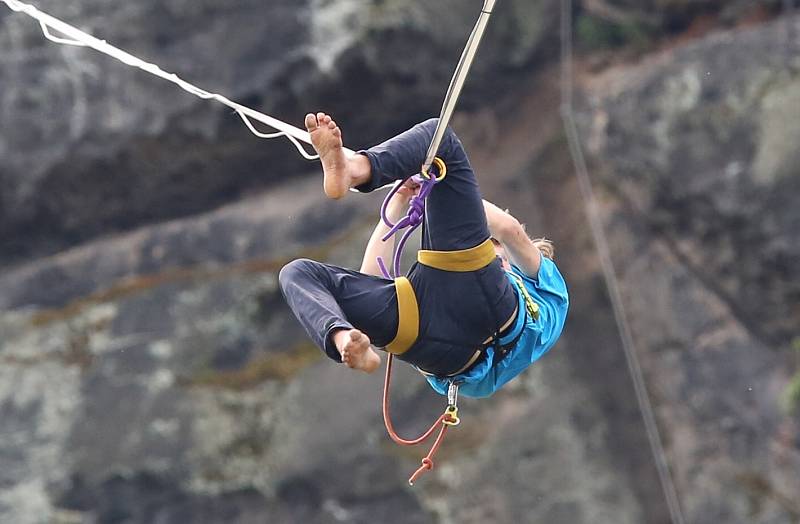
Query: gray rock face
x,y
710,165
152,372
693,146
672,15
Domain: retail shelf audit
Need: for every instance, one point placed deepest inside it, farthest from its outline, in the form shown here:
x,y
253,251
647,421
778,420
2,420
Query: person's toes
x,y
311,122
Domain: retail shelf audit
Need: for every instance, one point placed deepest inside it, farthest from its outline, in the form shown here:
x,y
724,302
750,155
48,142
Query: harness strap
x,y
407,317
459,261
463,260
505,343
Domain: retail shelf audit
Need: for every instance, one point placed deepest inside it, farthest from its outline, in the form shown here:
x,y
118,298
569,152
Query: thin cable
x,y
77,37
609,273
788,10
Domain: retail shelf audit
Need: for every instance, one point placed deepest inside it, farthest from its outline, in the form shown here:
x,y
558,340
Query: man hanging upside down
x,y
480,323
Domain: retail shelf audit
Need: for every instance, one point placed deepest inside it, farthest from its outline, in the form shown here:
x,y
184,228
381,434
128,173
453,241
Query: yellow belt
x,y
408,317
464,260
471,259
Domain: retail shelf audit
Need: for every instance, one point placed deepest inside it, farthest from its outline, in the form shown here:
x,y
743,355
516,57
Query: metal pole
x,y
457,82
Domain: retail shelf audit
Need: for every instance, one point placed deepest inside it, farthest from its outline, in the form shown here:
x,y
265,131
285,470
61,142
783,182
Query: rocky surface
x,y
695,146
150,371
711,166
671,15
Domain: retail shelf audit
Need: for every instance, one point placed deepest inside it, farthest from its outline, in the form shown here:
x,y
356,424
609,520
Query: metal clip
x,y
451,416
451,413
452,394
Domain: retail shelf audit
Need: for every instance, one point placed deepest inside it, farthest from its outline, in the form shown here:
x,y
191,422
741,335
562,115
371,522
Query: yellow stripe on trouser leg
x,y
407,317
461,261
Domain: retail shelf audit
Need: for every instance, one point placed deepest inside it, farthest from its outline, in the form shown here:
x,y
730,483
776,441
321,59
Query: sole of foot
x,y
326,137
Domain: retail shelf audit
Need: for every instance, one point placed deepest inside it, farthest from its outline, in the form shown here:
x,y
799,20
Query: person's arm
x,y
511,233
376,247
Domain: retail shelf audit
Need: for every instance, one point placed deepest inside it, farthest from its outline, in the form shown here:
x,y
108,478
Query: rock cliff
x,y
695,151
150,371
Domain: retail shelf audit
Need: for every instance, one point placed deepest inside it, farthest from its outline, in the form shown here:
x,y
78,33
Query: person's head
x,y
544,246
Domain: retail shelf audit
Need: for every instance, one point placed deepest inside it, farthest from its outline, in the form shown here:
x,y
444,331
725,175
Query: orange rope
x,y
427,462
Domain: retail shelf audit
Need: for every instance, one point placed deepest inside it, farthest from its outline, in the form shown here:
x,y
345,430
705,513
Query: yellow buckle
x,y
451,416
440,166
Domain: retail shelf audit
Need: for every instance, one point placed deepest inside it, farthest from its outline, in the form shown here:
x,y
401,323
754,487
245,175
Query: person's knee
x,y
294,271
448,138
430,124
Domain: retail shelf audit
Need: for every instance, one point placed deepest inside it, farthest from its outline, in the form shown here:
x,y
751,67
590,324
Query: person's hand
x,y
396,208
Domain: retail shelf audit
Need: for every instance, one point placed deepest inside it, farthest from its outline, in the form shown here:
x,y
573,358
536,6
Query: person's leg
x,y
341,310
455,218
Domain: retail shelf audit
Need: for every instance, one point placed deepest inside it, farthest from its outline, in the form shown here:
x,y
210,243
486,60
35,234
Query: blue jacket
x,y
549,291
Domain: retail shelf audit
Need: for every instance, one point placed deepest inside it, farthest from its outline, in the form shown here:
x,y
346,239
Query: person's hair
x,y
545,247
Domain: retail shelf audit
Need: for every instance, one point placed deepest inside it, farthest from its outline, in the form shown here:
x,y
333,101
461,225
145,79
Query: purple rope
x,y
412,220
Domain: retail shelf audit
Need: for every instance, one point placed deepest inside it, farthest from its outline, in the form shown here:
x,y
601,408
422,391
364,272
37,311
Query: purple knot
x,y
416,210
414,217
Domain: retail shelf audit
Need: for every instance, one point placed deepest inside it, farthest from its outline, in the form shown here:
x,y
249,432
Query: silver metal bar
x,y
457,82
452,394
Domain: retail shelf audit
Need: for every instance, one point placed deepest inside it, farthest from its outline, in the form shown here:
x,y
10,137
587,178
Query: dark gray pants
x,y
457,310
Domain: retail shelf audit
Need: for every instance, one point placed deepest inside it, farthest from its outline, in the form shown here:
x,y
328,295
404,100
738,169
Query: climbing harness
x,y
408,317
463,260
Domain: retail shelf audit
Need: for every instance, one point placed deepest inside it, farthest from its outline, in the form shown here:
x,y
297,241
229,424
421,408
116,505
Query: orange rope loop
x,y
448,418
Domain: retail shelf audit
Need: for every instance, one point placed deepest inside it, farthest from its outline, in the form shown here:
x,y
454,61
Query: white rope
x,y
53,38
76,37
609,273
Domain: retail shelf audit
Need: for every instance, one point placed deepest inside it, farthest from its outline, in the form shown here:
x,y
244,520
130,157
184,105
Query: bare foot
x,y
326,137
356,350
